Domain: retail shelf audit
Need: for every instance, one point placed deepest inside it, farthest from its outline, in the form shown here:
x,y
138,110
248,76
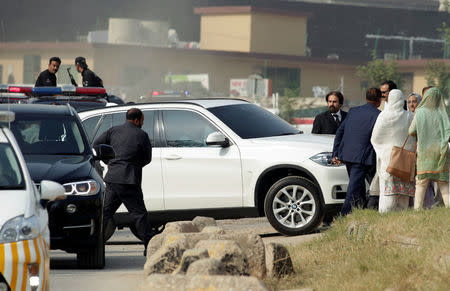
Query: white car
x,y
24,234
228,158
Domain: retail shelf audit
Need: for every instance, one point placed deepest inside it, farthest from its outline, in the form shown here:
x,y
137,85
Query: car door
x,y
195,175
152,186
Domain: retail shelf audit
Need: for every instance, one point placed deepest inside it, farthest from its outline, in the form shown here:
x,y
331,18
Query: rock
x,y
216,283
209,266
251,244
443,263
229,253
278,260
154,244
407,242
189,257
213,229
357,231
362,230
192,238
200,222
253,247
352,228
167,258
180,227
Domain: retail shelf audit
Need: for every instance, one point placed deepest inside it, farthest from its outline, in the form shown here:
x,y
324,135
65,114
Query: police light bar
x,y
19,89
50,91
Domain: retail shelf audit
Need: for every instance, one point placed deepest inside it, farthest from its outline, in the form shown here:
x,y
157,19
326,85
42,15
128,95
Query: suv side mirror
x,y
51,191
217,138
105,153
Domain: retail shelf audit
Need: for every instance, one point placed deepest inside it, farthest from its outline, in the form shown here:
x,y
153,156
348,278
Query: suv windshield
x,y
10,173
252,121
48,135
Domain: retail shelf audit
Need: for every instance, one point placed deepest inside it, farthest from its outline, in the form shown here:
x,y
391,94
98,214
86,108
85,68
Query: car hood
x,y
61,169
319,142
10,208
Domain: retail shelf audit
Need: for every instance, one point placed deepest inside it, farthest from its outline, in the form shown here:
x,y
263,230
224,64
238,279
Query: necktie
x,y
336,118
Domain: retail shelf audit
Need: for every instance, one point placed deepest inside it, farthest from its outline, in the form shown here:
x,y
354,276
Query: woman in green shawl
x,y
431,125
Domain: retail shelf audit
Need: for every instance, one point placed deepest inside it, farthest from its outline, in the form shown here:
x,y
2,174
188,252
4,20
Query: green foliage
x,y
438,74
287,110
377,71
444,31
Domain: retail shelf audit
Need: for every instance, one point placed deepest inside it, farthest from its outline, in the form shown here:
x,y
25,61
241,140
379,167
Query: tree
x,y
444,32
377,71
438,74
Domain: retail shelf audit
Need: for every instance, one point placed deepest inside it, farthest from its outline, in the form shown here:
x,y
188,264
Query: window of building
x,y
284,78
31,68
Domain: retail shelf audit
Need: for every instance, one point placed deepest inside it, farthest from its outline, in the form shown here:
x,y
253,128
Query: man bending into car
x,y
123,180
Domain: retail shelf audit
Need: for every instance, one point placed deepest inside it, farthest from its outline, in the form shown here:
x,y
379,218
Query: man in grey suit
x,y
352,146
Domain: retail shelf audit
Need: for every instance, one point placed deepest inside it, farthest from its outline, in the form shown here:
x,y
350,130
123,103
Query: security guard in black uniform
x,y
47,78
123,180
90,79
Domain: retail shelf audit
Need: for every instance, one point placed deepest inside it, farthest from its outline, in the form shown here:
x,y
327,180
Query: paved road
x,y
124,259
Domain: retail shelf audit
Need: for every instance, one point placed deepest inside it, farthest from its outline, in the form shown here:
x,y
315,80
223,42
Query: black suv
x,y
55,148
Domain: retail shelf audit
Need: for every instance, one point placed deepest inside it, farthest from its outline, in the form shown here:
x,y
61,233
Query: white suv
x,y
228,158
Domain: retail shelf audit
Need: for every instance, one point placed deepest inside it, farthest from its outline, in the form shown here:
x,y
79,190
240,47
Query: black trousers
x,y
131,196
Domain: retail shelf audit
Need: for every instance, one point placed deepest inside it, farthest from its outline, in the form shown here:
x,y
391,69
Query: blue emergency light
x,y
46,90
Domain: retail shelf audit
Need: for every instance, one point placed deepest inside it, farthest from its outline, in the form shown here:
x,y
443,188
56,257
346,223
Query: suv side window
x,y
118,118
149,124
104,126
89,126
186,128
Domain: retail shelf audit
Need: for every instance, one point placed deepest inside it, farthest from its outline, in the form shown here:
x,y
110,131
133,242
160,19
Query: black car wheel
x,y
292,206
109,229
93,258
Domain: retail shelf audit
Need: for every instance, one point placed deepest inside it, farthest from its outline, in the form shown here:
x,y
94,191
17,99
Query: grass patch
x,y
406,250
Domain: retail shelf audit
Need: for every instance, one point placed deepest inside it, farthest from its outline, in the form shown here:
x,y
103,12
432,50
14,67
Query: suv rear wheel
x,y
292,206
93,258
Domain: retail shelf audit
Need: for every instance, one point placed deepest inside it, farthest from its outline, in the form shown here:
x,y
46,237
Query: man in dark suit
x,y
328,122
352,146
123,181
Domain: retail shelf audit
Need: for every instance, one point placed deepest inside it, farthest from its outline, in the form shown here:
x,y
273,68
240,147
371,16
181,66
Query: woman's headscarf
x,y
432,126
391,129
418,96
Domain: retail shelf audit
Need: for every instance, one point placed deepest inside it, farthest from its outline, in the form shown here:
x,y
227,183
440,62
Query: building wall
x,y
278,34
226,32
14,59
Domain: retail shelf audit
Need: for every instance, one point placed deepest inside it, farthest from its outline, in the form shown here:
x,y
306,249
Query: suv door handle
x,y
172,157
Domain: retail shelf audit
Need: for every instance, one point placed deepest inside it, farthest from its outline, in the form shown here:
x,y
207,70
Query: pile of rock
x,y
200,254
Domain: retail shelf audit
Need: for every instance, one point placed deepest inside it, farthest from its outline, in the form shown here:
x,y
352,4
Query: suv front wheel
x,y
292,206
93,258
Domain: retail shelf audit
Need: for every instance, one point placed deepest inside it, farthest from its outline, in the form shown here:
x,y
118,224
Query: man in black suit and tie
x,y
328,122
352,146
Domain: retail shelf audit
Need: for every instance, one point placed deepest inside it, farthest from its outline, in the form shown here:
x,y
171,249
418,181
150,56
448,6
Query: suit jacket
x,y
133,151
324,123
352,140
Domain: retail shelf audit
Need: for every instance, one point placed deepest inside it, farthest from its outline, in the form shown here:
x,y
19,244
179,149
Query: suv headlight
x,y
19,228
324,159
89,187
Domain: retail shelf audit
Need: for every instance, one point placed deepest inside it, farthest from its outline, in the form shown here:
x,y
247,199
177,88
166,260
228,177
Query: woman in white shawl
x,y
391,129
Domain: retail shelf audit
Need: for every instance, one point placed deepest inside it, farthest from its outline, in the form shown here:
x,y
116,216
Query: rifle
x,y
72,80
